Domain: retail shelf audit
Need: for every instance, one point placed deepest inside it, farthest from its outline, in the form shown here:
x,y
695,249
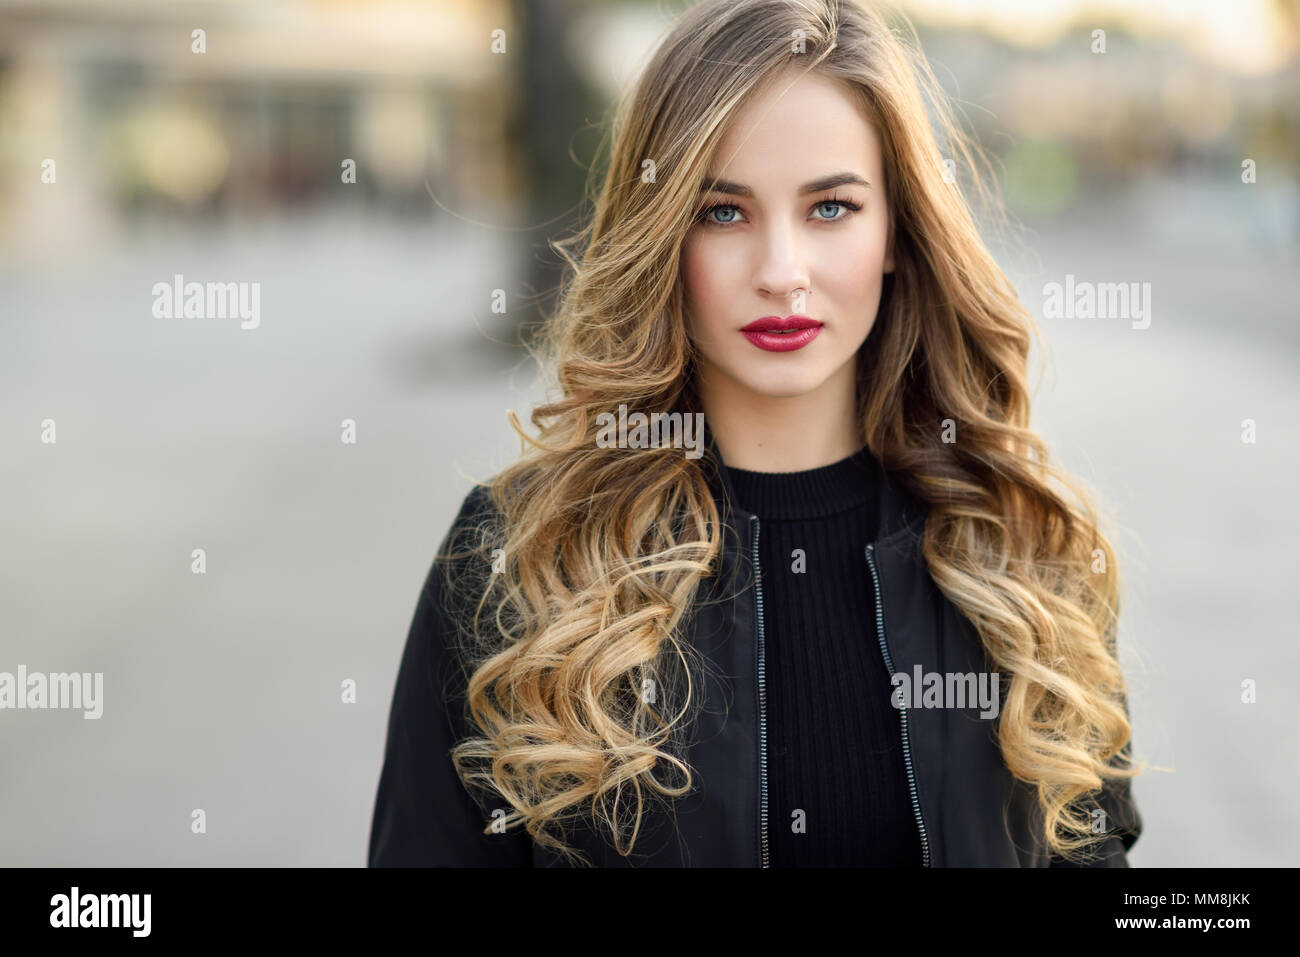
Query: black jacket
x,y
969,809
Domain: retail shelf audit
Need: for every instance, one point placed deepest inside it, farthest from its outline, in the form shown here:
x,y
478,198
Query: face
x,y
801,205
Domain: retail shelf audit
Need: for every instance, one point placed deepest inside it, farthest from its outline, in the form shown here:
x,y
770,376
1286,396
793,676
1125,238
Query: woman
x,y
863,627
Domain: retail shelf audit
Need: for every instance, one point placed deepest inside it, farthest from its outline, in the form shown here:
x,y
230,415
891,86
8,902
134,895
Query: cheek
x,y
856,268
701,284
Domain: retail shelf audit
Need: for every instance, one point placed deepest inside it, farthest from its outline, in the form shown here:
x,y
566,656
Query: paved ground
x,y
222,690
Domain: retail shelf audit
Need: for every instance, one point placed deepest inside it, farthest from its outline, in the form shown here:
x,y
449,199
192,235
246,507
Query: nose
x,y
781,270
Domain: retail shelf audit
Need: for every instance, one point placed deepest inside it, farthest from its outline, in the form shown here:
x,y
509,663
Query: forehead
x,y
794,129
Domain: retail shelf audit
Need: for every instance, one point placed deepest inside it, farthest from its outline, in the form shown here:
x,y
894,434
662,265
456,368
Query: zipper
x,y
907,751
762,705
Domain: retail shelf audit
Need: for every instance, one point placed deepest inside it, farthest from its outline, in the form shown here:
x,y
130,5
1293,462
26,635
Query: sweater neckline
x,y
852,482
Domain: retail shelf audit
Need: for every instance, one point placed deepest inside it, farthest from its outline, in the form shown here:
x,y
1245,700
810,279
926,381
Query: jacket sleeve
x,y
423,815
1123,821
1123,825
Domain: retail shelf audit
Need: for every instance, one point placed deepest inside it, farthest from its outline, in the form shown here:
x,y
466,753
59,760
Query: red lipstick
x,y
775,334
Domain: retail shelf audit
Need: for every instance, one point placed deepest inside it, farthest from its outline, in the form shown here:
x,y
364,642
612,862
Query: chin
x,y
786,387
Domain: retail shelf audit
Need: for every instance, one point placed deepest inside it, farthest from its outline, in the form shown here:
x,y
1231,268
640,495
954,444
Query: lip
x,y
765,333
773,323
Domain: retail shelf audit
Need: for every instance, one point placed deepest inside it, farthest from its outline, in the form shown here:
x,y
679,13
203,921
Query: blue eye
x,y
843,204
723,206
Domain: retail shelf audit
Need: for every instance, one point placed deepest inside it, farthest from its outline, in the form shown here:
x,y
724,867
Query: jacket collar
x,y
901,513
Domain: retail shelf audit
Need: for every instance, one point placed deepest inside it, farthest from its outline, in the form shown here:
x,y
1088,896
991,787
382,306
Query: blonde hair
x,y
602,552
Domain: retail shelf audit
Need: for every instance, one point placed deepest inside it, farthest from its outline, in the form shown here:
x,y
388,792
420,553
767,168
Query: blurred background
x,y
379,171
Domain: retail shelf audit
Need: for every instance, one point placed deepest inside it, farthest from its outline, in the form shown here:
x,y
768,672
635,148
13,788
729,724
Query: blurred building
x,y
265,117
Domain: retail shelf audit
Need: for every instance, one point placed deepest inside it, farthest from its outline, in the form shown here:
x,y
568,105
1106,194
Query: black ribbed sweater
x,y
837,783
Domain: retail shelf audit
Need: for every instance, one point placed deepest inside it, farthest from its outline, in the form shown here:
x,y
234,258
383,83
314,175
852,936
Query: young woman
x,y
867,626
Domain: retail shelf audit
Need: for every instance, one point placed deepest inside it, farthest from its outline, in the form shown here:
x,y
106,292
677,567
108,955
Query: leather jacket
x,y
969,810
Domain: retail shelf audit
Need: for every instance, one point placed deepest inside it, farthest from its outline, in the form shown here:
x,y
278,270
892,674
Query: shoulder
x,y
465,545
476,507
477,521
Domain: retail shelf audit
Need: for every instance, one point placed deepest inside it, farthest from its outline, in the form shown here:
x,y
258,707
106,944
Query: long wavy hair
x,y
597,554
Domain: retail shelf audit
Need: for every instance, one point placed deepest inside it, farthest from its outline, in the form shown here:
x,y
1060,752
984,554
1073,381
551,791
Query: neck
x,y
763,433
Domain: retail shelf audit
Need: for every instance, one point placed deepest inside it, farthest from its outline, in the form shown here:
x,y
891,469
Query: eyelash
x,y
847,204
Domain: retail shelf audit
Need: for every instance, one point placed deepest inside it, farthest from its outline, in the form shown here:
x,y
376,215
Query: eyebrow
x,y
815,186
